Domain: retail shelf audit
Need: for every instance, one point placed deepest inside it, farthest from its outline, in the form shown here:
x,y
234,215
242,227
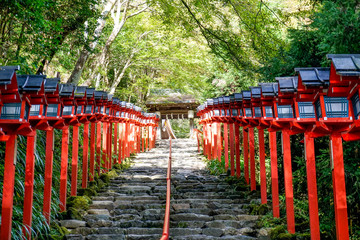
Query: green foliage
x,y
181,127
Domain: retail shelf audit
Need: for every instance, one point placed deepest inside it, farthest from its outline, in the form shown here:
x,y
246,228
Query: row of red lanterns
x,y
34,102
317,102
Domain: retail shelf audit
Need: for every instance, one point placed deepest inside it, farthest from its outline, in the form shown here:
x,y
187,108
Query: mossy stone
x,y
286,236
105,178
112,174
275,232
90,192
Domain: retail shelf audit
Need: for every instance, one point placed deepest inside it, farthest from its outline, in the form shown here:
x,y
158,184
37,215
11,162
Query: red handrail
x,y
166,226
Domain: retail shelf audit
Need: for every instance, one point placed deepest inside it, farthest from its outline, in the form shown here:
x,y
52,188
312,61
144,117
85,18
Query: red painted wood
x,y
104,148
205,150
49,155
147,139
246,155
289,195
29,185
85,156
211,143
312,187
252,159
115,139
8,188
274,175
226,150
74,160
237,149
119,144
63,171
215,134
110,158
143,139
92,152
219,142
98,147
342,226
262,167
232,159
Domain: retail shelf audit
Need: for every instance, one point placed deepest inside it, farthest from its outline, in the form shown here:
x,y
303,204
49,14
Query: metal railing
x,y
166,234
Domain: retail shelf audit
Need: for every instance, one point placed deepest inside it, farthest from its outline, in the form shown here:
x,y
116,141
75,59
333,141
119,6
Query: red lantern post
x,y
14,115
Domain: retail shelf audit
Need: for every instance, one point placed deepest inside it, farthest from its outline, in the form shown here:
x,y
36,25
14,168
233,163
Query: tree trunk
x,y
85,53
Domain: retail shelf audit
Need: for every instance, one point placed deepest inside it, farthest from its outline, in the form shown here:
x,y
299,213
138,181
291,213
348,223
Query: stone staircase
x,y
133,205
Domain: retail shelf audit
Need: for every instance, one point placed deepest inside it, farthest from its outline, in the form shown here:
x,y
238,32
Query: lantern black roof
x,y
66,90
129,105
314,77
98,95
287,84
238,97
90,92
269,89
14,68
7,73
80,91
104,95
116,101
346,64
30,82
109,97
123,104
232,98
51,84
255,92
221,100
246,95
226,99
210,102
216,101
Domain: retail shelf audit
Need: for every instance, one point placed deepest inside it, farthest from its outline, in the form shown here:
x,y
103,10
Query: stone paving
x,y
133,205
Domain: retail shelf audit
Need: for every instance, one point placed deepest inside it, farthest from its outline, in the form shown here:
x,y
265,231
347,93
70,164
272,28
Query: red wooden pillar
x,y
204,140
214,140
340,204
104,147
226,150
246,155
119,143
48,174
252,159
147,139
211,142
74,160
142,139
29,185
110,160
312,187
115,139
8,188
262,166
85,156
64,165
274,175
237,149
232,161
98,147
219,142
92,152
289,195
127,139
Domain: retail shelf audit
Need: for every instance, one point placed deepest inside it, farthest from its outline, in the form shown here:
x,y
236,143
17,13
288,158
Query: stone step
x,y
203,206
